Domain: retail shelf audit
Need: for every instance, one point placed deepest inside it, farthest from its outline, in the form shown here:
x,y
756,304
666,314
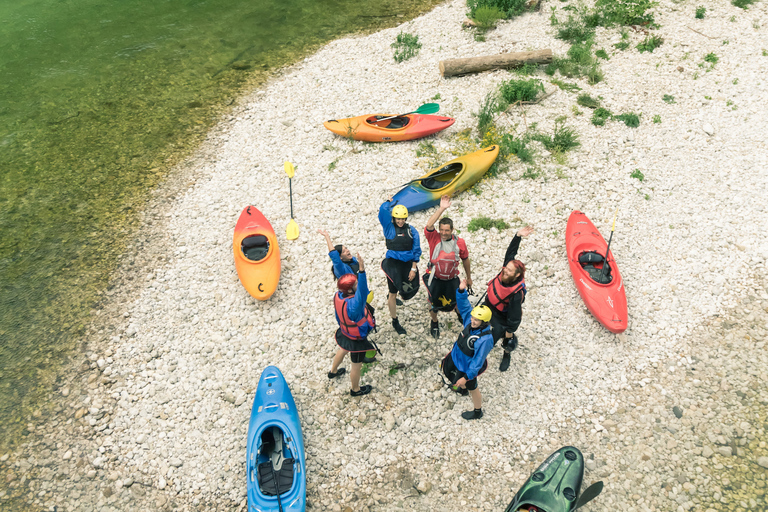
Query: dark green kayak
x,y
555,485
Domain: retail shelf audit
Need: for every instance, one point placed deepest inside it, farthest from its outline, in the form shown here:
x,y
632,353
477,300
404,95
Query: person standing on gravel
x,y
505,297
341,258
467,358
442,276
356,321
403,254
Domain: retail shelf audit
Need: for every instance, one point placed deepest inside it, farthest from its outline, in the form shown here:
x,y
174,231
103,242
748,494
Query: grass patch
x,y
513,91
743,4
511,145
429,152
575,30
508,8
487,16
406,46
563,139
486,223
567,86
490,106
637,175
525,70
711,58
668,98
700,12
579,62
657,119
630,119
531,173
609,13
650,43
585,100
602,54
600,116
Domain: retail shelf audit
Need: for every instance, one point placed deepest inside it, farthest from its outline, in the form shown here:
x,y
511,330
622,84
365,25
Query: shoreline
x,y
187,339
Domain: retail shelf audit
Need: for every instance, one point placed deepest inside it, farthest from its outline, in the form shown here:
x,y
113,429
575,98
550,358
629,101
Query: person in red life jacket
x,y
356,321
467,358
441,279
505,296
403,253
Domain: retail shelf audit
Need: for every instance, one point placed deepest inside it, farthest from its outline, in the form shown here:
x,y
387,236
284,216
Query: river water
x,y
98,98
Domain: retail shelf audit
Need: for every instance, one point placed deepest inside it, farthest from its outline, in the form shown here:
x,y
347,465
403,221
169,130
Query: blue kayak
x,y
275,460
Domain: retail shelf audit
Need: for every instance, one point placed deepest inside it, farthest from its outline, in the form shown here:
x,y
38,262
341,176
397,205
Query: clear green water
x,y
97,97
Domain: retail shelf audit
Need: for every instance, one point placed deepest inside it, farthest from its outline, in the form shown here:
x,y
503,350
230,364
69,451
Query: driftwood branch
x,y
454,67
705,35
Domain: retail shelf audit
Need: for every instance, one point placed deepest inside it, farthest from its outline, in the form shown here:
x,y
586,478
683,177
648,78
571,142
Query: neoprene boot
x,y
434,329
399,328
472,415
364,390
505,360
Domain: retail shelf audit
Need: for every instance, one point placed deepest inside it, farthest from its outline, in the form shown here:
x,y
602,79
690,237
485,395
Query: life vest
x,y
348,327
444,262
499,293
354,265
467,341
403,240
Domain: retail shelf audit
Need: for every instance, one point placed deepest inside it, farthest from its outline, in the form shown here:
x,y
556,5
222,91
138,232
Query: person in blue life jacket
x,y
355,318
467,359
401,260
446,251
505,296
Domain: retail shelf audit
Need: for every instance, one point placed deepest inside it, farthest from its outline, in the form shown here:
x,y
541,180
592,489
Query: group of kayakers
x,y
494,321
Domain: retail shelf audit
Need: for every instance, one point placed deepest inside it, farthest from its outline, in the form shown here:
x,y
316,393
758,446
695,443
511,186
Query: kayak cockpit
x,y
391,124
443,176
594,264
275,469
255,247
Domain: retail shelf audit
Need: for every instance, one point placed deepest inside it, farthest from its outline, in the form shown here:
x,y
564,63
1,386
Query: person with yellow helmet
x,y
403,254
467,358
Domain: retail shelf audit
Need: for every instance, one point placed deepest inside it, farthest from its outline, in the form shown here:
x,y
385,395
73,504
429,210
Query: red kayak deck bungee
x,y
601,289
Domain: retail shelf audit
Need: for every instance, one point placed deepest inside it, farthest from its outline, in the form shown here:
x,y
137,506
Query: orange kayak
x,y
407,127
257,256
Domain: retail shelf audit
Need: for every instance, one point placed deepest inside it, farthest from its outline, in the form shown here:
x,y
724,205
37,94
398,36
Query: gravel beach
x,y
671,414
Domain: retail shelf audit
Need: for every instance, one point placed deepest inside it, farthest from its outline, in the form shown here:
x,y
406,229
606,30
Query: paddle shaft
x,y
277,489
290,192
427,108
610,239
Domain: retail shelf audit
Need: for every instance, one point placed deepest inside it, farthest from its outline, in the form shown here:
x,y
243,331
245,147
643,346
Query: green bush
x,y
487,17
510,145
509,8
624,12
668,98
744,4
406,46
602,54
700,12
600,115
657,119
630,119
637,175
563,139
575,30
491,104
513,91
711,57
486,223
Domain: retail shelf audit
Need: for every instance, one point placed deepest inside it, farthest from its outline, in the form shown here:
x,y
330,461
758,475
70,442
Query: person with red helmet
x,y
355,318
505,296
441,279
467,359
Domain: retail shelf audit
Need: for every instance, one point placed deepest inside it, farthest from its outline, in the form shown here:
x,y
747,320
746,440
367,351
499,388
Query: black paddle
x,y
590,493
427,108
277,489
610,239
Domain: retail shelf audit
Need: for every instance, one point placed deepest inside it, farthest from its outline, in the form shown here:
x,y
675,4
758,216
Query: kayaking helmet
x,y
346,283
400,212
482,313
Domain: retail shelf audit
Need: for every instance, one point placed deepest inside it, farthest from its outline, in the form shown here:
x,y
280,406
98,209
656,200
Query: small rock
x,y
707,452
762,461
175,462
67,455
678,411
727,451
708,129
228,397
161,483
590,464
107,491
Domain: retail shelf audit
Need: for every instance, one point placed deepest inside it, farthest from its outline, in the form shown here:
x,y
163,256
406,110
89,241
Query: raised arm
x,y
327,239
514,245
445,203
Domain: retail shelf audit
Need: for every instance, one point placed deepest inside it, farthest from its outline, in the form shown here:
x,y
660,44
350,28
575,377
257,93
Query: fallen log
x,y
453,67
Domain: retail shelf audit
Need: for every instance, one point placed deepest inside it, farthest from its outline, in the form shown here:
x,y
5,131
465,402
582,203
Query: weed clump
x,y
486,223
637,175
508,8
743,4
700,12
650,43
585,100
600,116
406,46
630,119
486,17
668,98
513,91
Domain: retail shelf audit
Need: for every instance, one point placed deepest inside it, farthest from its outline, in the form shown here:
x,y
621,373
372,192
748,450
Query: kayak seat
x,y
266,476
391,124
255,247
590,257
445,176
599,275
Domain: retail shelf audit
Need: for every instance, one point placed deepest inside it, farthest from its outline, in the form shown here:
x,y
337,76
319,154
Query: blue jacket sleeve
x,y
416,246
482,349
339,267
385,219
356,305
465,308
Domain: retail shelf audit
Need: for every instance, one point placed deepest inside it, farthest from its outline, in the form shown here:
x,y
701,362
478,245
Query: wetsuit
x,y
468,356
403,248
341,267
355,319
506,316
441,293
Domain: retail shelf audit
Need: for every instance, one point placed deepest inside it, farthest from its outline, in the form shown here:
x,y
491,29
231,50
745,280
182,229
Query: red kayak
x,y
601,288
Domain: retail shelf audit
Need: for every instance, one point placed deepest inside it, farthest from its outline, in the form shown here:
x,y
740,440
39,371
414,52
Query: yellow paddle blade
x,y
614,219
292,231
289,170
369,299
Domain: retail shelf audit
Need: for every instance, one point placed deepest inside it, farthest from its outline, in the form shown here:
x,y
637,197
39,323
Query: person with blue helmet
x,y
403,254
467,358
356,321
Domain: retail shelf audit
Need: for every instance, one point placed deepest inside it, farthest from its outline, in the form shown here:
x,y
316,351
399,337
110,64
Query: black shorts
x,y
357,357
441,294
453,373
353,346
397,273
